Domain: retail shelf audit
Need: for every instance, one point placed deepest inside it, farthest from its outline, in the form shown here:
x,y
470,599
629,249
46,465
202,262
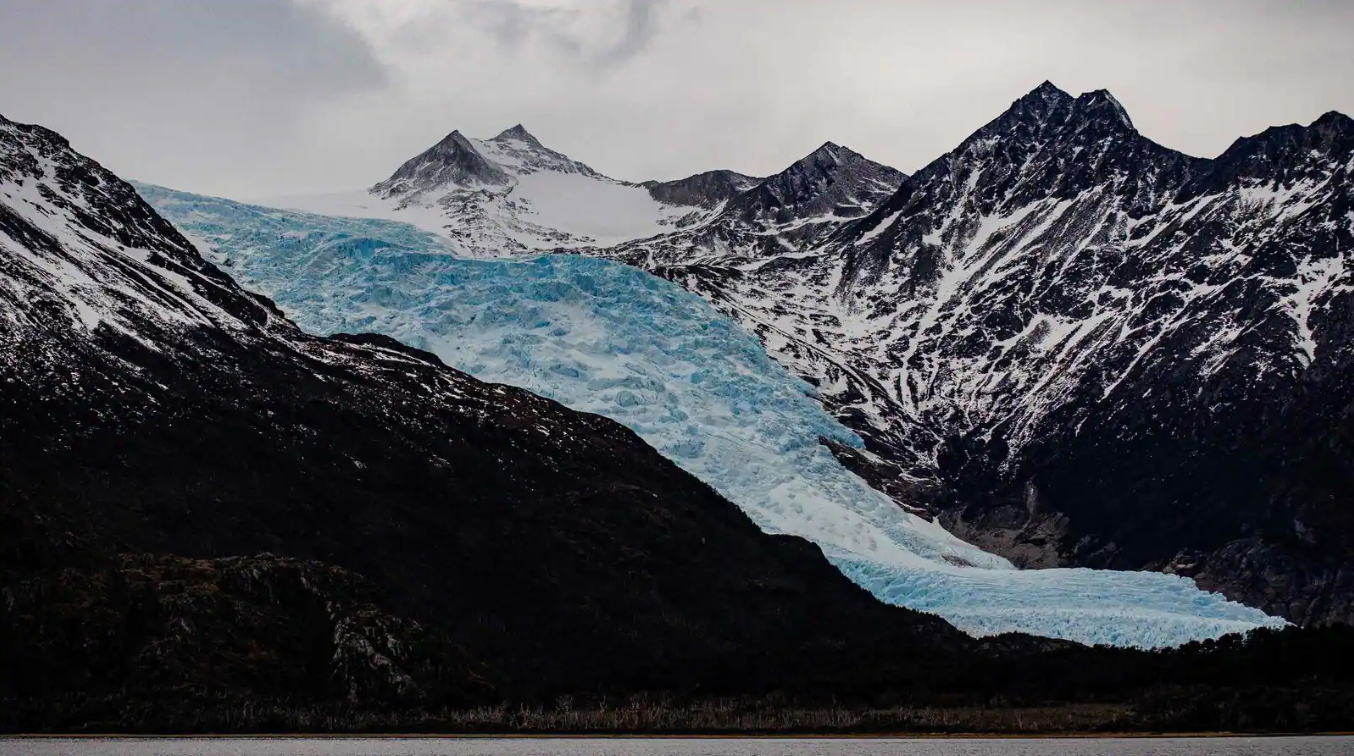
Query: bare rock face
x,y
452,161
1308,591
701,190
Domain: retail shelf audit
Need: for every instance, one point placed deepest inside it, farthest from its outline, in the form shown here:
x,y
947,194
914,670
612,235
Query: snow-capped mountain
x,y
1091,348
512,195
779,214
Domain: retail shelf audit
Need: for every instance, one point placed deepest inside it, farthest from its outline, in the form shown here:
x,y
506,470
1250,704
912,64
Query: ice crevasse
x,y
602,337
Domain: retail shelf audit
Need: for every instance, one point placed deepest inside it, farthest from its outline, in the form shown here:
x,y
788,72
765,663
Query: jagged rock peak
x,y
831,151
1047,111
831,179
33,128
448,145
1334,117
1334,123
454,160
519,133
705,189
1101,105
831,155
1043,104
1333,132
1282,154
1047,91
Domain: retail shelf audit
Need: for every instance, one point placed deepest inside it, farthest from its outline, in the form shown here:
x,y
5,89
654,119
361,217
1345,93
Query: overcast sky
x,y
256,98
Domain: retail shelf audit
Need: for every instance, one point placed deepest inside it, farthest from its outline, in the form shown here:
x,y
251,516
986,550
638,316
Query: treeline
x,y
1291,680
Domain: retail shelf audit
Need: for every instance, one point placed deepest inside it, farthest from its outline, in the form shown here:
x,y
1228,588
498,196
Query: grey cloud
x,y
170,89
516,24
639,29
252,98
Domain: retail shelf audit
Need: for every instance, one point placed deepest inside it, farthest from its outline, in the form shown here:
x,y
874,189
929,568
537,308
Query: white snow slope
x,y
603,337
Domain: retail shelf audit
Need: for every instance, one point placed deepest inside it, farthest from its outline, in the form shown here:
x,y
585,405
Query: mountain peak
x,y
454,160
1334,122
455,140
1042,98
1047,91
1047,110
1332,116
519,133
830,151
831,179
1101,104
704,189
1034,109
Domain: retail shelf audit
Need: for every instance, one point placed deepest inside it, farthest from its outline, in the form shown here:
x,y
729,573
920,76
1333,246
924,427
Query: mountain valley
x,y
1060,347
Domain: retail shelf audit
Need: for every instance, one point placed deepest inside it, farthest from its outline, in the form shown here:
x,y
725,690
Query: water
x,y
1306,746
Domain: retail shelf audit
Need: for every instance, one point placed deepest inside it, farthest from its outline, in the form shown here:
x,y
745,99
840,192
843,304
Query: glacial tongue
x,y
608,339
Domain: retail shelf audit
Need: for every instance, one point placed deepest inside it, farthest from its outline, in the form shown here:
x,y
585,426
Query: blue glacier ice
x,y
606,338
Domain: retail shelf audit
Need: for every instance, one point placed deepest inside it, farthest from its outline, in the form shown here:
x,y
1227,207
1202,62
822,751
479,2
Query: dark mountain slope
x,y
151,406
454,160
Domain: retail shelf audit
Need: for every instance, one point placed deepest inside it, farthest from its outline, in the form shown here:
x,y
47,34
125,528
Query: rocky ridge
x,y
1083,347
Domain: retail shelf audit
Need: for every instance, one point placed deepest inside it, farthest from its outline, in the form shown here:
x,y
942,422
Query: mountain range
x,y
1061,342
1083,348
1069,344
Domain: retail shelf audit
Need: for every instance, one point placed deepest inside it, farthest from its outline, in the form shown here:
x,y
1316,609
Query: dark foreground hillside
x,y
210,521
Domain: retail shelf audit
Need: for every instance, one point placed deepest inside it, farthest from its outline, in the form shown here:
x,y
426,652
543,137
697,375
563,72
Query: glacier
x,y
603,337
